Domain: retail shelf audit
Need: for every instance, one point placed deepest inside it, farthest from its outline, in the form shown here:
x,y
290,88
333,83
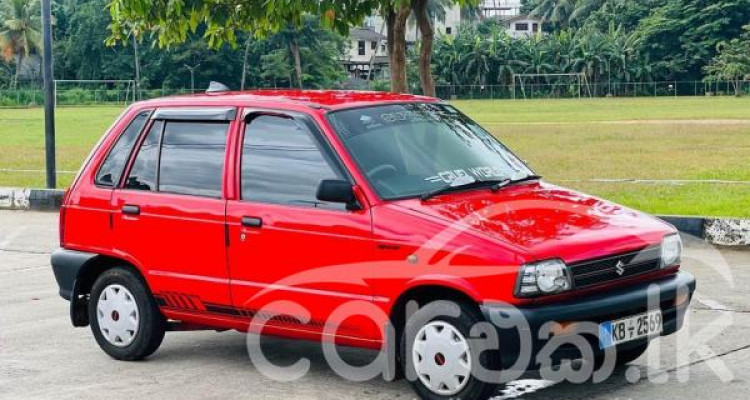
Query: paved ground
x,y
42,356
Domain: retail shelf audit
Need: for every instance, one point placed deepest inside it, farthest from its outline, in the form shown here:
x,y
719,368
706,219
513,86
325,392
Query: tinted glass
x,y
282,162
143,174
410,149
112,167
192,158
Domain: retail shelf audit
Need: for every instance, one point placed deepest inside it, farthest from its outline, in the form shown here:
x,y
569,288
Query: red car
x,y
373,220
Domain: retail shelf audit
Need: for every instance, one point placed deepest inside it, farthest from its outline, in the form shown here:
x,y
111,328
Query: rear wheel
x,y
438,357
125,320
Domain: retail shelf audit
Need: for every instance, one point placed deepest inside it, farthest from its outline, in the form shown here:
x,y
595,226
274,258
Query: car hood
x,y
547,221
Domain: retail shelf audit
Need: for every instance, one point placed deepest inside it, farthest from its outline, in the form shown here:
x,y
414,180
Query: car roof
x,y
321,99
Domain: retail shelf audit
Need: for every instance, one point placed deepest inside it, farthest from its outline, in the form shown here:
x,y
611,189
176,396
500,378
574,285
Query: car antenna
x,y
216,87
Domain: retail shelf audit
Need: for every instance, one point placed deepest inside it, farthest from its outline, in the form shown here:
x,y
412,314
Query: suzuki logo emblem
x,y
620,268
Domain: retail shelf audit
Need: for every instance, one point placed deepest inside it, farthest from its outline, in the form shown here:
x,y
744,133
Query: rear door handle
x,y
252,222
131,209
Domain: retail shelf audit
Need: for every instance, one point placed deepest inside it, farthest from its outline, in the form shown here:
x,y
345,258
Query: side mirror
x,y
337,191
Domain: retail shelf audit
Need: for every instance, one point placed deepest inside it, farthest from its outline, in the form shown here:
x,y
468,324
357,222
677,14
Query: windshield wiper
x,y
508,182
468,185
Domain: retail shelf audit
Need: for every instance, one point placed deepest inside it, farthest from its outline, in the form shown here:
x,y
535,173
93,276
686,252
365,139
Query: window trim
x,y
324,144
125,168
201,114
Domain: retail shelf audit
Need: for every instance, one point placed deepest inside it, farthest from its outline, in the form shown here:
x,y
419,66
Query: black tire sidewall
x,y
152,323
475,388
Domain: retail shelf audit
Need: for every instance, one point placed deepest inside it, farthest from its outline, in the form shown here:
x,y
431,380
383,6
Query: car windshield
x,y
407,150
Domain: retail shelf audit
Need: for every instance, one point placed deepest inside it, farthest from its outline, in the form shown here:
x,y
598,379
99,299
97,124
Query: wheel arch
x,y
84,281
426,293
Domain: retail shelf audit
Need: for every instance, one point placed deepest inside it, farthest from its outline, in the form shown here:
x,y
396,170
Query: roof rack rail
x,y
216,87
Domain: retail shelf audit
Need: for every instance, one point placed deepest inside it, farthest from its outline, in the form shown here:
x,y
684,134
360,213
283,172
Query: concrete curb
x,y
30,199
732,232
718,231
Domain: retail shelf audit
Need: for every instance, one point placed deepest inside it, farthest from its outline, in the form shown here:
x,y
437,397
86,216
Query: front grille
x,y
604,270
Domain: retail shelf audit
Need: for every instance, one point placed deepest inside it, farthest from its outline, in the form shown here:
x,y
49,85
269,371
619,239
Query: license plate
x,y
631,328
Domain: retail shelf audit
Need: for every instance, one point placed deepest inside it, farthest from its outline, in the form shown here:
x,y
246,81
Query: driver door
x,y
285,245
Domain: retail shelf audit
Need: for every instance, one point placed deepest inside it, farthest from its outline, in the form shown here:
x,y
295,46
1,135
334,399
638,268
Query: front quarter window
x,y
407,150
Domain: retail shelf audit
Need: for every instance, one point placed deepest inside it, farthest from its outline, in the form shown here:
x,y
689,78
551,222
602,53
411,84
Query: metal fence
x,y
93,96
603,89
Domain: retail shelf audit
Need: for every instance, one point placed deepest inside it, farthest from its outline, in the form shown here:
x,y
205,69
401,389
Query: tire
x,y
125,320
431,357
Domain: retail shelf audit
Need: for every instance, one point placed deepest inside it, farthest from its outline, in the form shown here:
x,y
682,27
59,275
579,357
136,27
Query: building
x,y
367,56
522,26
367,43
367,49
501,9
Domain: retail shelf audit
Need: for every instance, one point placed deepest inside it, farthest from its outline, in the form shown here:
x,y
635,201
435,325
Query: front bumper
x,y
531,324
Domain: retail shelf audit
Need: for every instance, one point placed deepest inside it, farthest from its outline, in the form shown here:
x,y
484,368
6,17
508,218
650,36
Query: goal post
x,y
94,91
550,85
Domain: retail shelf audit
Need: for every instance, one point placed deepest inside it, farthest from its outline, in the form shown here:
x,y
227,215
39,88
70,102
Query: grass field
x,y
571,142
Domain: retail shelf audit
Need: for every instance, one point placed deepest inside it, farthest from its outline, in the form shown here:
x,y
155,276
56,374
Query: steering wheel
x,y
380,169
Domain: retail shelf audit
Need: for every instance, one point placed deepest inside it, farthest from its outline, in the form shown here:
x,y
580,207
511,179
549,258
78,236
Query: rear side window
x,y
181,158
192,158
143,173
111,169
282,162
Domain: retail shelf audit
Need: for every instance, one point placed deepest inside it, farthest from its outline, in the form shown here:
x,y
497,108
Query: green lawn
x,y
570,142
588,110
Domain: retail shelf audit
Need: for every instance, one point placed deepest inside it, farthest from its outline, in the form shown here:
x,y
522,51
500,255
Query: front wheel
x,y
438,357
125,320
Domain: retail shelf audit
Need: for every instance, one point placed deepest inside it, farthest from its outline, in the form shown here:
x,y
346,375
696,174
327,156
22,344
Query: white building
x,y
522,26
501,9
368,48
367,44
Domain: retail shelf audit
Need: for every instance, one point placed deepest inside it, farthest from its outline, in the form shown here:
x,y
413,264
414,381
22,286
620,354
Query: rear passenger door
x,y
169,211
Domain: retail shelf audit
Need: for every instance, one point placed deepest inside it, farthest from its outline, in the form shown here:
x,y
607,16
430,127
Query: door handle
x,y
252,222
131,209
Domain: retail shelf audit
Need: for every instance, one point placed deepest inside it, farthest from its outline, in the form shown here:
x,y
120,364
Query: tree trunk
x,y
397,47
425,52
244,64
137,69
19,66
294,47
738,88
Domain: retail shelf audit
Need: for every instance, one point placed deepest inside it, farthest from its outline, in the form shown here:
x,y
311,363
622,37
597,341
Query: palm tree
x,y
478,63
584,8
449,59
20,34
554,11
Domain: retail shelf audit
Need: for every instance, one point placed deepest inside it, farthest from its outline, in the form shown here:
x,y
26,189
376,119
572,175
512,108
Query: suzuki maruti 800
x,y
373,220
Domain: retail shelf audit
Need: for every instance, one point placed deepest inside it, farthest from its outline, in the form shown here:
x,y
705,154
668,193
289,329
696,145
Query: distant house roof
x,y
366,34
523,17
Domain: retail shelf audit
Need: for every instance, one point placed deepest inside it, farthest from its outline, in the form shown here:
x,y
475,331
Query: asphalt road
x,y
43,356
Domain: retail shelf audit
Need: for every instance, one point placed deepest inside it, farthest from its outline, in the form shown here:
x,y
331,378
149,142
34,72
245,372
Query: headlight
x,y
544,277
671,249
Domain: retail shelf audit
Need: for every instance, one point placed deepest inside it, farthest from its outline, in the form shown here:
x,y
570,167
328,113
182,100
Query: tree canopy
x,y
171,21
